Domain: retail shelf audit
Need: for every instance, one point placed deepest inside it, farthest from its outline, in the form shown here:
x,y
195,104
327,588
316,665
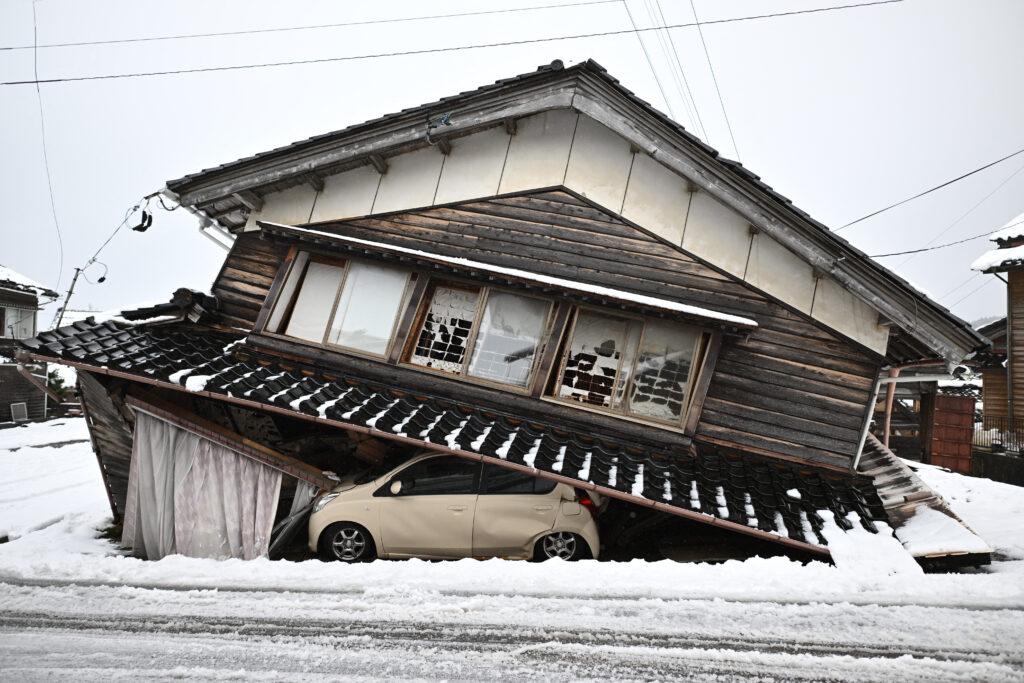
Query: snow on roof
x,y
930,532
997,258
571,285
1012,230
21,283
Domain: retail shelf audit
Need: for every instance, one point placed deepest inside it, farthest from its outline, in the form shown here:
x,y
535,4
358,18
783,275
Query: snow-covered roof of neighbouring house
x,y
998,259
1012,230
557,282
11,279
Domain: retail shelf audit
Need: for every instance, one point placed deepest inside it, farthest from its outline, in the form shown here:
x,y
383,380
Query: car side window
x,y
499,480
440,476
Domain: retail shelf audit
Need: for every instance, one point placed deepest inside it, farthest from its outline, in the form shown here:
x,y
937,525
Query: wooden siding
x,y
245,278
111,438
1015,342
791,389
14,388
993,393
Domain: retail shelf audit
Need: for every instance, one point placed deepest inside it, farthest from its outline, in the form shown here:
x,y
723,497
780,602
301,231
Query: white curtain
x,y
191,496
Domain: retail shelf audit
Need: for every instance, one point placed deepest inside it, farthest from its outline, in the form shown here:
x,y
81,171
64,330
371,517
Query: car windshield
x,y
378,469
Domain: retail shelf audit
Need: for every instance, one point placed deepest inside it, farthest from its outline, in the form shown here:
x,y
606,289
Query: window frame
x,y
484,292
276,299
697,370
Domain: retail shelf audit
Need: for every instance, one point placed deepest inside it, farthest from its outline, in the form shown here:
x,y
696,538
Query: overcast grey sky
x,y
844,112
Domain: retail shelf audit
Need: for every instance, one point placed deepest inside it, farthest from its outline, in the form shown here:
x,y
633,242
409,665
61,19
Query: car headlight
x,y
324,500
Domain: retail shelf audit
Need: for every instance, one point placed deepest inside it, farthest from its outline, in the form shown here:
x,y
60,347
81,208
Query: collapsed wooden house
x,y
22,387
546,274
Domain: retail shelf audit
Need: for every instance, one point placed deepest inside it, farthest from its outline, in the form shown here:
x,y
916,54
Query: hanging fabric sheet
x,y
190,496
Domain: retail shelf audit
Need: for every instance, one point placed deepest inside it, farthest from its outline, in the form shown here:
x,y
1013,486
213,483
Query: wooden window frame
x,y
484,292
285,272
698,379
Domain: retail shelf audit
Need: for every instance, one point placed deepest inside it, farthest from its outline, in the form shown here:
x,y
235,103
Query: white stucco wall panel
x,y
347,194
781,273
291,207
657,199
473,169
717,234
838,308
599,164
539,151
410,181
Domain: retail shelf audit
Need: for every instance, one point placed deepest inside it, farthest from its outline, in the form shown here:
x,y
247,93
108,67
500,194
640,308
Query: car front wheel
x,y
347,542
562,544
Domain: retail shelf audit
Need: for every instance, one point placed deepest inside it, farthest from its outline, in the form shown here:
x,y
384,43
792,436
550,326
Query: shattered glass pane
x,y
594,358
369,304
445,333
662,372
313,305
508,338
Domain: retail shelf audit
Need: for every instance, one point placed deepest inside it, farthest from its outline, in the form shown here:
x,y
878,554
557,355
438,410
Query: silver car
x,y
445,507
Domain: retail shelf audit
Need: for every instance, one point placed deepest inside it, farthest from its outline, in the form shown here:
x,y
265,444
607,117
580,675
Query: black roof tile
x,y
727,485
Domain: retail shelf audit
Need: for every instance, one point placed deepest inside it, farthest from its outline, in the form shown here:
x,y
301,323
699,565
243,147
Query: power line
x,y
312,27
969,278
682,72
987,281
941,246
648,58
929,191
46,157
714,78
457,48
968,212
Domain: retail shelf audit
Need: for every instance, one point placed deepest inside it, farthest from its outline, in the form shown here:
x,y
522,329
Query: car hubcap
x,y
348,545
561,545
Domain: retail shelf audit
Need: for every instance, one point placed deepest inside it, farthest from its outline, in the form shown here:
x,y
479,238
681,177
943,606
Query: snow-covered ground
x,y
73,606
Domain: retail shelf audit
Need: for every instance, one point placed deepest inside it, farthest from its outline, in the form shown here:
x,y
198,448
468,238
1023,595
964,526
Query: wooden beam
x,y
315,181
378,163
444,146
250,199
187,420
510,126
703,381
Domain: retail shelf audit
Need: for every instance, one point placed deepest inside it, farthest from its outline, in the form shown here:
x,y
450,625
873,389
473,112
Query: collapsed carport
x,y
302,420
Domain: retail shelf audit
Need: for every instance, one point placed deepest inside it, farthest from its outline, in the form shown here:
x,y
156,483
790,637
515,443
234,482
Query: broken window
x,y
636,367
498,332
353,304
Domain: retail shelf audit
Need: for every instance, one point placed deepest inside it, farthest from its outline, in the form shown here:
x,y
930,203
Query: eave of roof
x,y
738,492
589,89
468,265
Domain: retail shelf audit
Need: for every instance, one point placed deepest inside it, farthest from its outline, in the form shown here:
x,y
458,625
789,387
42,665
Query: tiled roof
x,y
732,488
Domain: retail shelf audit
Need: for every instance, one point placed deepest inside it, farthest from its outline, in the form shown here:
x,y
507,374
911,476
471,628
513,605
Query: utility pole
x,y
71,290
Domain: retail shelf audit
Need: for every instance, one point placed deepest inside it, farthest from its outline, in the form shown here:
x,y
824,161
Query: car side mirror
x,y
396,487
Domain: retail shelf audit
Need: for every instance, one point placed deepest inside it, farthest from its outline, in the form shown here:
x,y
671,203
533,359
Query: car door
x,y
432,515
512,509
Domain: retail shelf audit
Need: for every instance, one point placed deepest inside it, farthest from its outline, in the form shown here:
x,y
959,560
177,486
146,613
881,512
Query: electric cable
x,y
312,27
929,191
46,156
649,62
682,72
941,246
714,78
988,281
455,48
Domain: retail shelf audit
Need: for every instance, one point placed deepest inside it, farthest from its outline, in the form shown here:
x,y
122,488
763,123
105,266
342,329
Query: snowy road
x,y
102,632
75,607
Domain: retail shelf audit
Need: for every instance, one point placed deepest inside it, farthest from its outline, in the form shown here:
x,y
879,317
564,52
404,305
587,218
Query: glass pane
x,y
662,371
284,299
316,298
593,360
634,329
438,476
502,480
442,341
370,301
508,338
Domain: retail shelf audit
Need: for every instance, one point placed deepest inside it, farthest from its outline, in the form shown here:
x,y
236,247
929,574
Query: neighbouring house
x,y
545,274
21,395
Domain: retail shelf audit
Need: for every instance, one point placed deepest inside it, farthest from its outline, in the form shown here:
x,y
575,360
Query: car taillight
x,y
589,504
